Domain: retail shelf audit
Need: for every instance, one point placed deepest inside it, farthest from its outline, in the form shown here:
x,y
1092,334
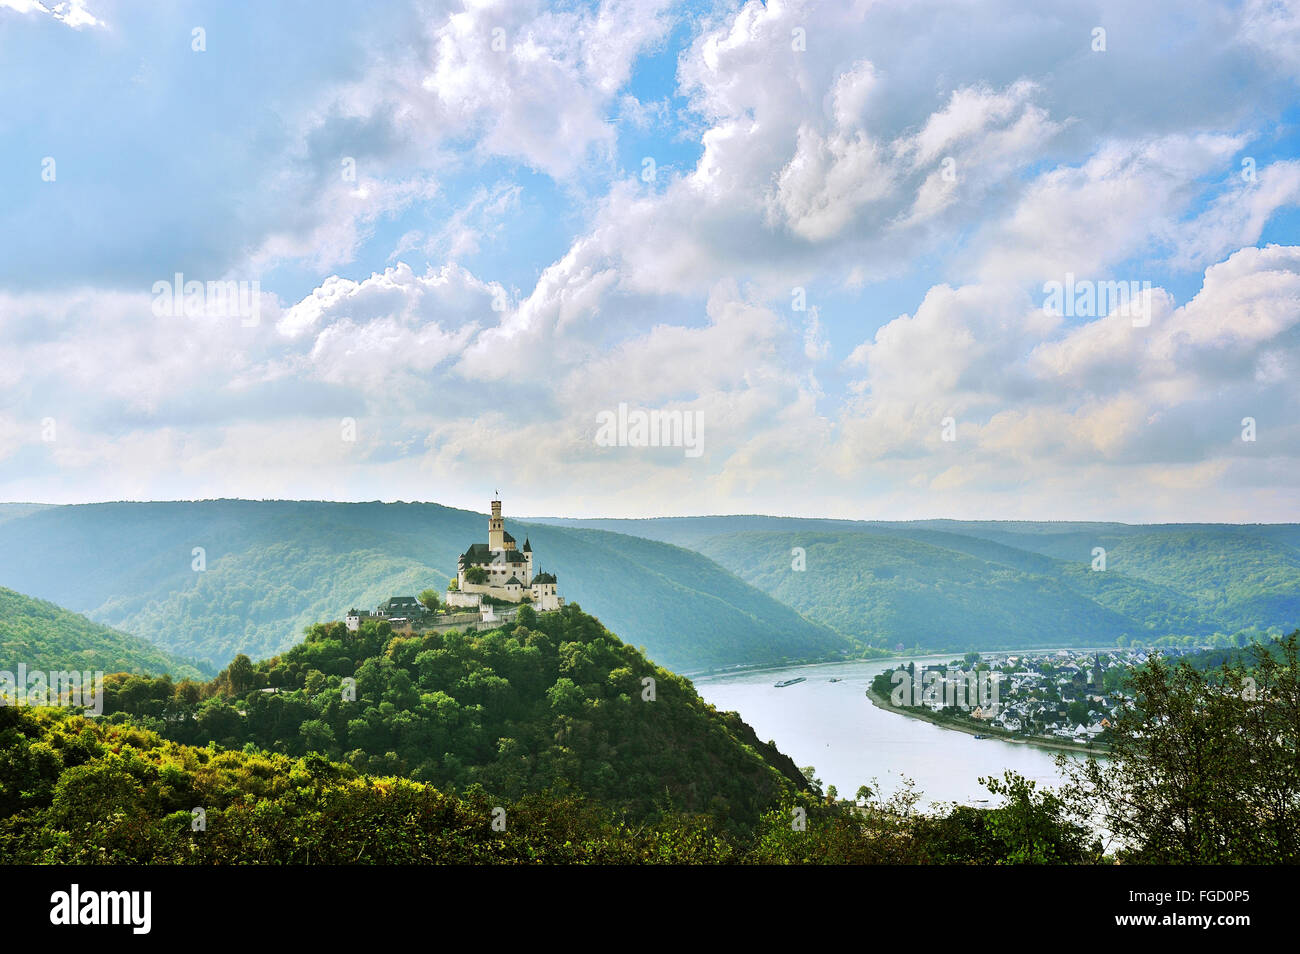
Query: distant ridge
x,y
953,584
270,568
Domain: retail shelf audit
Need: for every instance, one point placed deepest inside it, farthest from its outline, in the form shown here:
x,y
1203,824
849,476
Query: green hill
x,y
273,567
48,638
552,701
887,590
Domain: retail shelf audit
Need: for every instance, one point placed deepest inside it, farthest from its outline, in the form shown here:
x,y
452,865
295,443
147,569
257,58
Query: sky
x,y
469,246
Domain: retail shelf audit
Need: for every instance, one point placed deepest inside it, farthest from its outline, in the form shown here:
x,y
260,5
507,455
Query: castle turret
x,y
496,528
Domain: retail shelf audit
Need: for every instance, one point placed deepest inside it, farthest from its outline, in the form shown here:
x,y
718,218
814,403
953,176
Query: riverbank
x,y
885,656
747,668
1038,741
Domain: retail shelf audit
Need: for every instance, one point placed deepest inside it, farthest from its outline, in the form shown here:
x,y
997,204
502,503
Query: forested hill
x,y
945,584
550,702
270,568
48,638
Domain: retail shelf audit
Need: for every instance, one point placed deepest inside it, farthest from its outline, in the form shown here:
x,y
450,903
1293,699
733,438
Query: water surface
x,y
834,727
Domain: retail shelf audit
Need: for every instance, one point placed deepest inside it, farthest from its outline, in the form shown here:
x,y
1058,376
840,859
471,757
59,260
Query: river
x,y
834,727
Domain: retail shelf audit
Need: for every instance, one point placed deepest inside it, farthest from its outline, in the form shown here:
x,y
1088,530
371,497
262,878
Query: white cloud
x,y
1042,402
825,167
1085,218
71,12
1274,27
516,79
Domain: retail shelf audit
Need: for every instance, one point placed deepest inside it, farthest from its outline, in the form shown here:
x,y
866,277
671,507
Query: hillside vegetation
x,y
48,638
551,701
74,791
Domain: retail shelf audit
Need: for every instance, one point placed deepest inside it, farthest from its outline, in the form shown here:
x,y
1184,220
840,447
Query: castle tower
x,y
496,528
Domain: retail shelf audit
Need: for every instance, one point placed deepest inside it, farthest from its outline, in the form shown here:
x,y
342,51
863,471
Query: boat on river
x,y
789,682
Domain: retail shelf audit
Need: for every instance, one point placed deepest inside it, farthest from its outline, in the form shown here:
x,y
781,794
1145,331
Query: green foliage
x,y
1203,770
47,637
519,710
1204,765
77,791
1036,826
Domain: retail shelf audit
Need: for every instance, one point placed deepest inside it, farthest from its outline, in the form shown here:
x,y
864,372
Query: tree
x,y
1078,712
317,735
810,774
1203,767
565,696
241,674
218,721
1038,827
476,574
429,600
1114,678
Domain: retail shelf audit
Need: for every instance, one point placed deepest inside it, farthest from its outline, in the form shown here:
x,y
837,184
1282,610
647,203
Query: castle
x,y
501,570
487,575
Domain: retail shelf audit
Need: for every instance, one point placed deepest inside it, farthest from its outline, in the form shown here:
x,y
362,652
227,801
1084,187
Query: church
x,y
501,570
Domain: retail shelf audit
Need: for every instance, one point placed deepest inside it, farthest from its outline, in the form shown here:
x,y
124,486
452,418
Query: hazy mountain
x,y
272,567
988,584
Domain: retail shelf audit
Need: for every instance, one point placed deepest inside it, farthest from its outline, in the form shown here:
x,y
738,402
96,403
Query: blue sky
x,y
461,261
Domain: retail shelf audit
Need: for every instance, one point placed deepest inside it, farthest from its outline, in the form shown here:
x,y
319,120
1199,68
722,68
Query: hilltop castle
x,y
487,574
499,569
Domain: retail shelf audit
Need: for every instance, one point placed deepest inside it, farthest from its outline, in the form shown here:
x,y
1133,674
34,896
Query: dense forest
x,y
550,701
46,637
74,791
266,569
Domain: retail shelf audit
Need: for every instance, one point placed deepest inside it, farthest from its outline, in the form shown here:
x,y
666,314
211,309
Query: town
x,y
1066,697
